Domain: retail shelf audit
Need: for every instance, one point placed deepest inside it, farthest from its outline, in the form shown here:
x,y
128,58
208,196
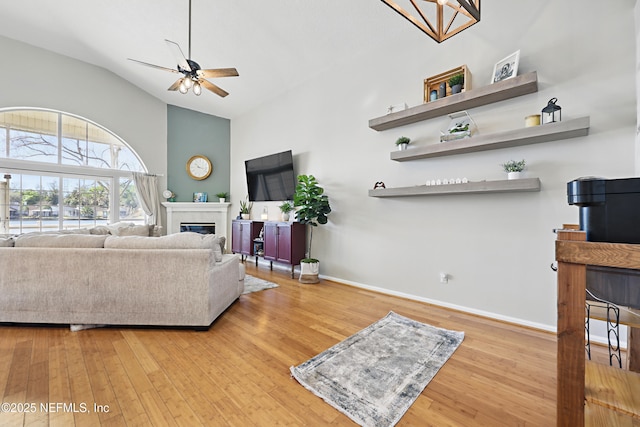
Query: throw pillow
x,y
100,230
136,230
129,230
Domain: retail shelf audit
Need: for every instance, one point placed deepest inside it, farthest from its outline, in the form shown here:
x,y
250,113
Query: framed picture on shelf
x,y
506,68
200,197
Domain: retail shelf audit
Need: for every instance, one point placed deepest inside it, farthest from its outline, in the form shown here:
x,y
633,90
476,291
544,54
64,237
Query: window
x,y
63,172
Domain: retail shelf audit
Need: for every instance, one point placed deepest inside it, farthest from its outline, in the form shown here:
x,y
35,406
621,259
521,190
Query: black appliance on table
x,y
610,212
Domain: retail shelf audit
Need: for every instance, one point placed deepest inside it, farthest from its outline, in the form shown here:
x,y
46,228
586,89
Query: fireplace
x,y
198,227
179,213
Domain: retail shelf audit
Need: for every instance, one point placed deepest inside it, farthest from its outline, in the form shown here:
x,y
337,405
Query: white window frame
x,y
27,167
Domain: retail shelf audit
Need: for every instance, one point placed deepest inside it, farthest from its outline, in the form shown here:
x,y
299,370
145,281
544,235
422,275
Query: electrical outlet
x,y
444,278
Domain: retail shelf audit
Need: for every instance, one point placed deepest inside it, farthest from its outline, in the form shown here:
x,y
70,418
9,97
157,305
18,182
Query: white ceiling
x,y
275,45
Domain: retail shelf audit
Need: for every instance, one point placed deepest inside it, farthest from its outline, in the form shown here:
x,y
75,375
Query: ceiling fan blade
x,y
176,84
213,88
154,66
178,55
218,72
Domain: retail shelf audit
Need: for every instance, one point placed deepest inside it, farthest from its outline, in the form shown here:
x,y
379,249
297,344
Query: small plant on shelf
x,y
403,140
286,207
457,79
245,207
223,195
402,143
514,166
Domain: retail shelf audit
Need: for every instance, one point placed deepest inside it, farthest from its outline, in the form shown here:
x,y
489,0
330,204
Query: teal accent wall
x,y
189,133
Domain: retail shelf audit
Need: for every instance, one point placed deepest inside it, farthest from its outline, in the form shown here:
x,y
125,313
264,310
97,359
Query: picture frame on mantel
x,y
506,68
200,197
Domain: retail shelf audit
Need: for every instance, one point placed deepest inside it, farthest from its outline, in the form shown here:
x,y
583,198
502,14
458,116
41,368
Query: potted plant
x,y
403,142
222,196
514,169
245,208
286,208
456,82
313,208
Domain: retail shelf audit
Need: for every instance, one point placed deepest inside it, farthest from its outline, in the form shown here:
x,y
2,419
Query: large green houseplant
x,y
313,208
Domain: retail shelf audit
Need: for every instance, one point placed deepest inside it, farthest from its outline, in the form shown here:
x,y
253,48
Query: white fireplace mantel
x,y
179,212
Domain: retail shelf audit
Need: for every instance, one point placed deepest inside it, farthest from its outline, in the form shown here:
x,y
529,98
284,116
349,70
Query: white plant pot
x,y
309,272
245,216
515,175
402,147
286,216
222,199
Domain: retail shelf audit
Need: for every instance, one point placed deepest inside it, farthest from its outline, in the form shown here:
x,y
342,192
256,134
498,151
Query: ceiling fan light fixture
x,y
183,88
192,76
197,89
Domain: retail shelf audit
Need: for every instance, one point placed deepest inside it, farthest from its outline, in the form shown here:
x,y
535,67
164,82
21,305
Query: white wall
x,y
497,248
33,77
636,15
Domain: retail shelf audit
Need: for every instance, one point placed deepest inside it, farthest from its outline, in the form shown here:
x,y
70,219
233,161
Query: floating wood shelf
x,y
506,89
512,138
502,186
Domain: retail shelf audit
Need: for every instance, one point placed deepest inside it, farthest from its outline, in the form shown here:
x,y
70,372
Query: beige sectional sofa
x,y
181,279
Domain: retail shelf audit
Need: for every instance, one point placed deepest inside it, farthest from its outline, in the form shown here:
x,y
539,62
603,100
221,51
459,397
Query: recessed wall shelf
x,y
506,89
501,186
512,138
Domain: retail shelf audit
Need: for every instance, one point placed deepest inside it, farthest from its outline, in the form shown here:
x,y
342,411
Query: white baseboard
x,y
488,314
514,320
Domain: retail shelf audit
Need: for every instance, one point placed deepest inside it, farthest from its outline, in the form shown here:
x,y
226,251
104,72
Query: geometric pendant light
x,y
439,19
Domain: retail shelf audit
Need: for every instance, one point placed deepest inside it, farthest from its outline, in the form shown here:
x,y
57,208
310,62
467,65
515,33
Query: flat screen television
x,y
271,178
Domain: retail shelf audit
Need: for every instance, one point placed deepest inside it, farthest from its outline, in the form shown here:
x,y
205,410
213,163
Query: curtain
x,y
147,189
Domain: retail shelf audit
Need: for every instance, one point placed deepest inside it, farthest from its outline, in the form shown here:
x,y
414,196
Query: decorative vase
x,y
456,88
443,90
514,175
433,95
402,147
309,272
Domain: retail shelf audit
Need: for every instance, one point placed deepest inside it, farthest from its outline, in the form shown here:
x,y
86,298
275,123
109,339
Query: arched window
x,y
63,172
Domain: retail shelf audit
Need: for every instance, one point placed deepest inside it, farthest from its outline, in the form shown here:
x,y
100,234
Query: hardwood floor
x,y
237,373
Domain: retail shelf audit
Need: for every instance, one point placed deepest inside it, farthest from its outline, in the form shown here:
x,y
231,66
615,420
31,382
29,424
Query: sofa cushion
x,y
69,231
187,240
34,240
124,229
6,242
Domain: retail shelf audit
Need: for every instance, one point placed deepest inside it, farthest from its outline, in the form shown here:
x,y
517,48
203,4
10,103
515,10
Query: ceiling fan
x,y
193,76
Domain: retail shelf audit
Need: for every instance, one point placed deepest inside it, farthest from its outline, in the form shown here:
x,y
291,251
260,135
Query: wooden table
x,y
573,254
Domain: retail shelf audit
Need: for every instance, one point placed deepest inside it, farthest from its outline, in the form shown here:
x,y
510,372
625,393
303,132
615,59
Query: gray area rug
x,y
255,284
374,376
